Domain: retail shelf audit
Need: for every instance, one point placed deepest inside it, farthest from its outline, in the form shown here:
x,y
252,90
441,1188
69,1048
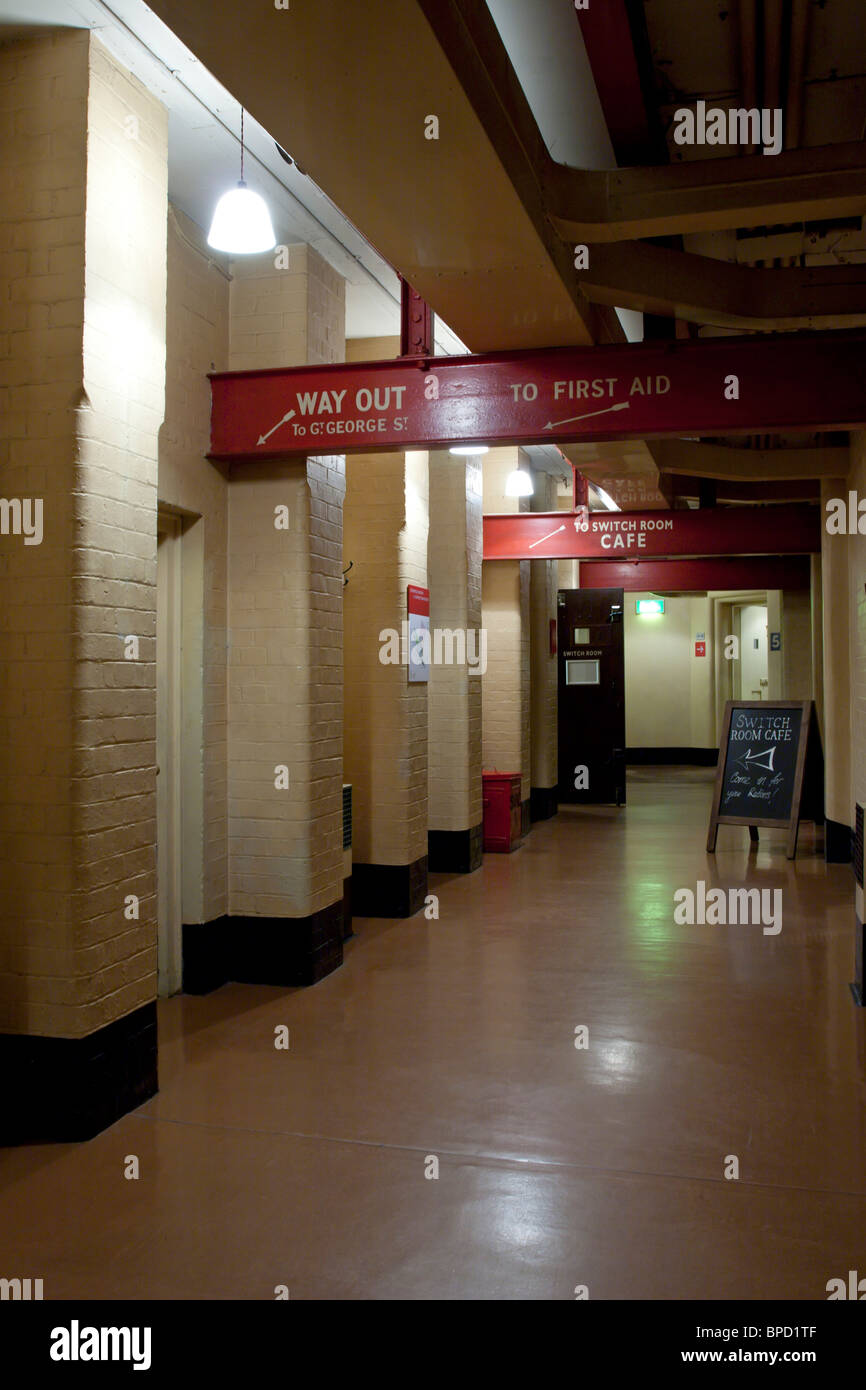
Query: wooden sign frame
x,y
792,824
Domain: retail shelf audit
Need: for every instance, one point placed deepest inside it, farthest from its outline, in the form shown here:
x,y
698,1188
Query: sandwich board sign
x,y
770,754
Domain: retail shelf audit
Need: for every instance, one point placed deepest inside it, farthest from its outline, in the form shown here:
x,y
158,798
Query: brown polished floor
x,y
455,1038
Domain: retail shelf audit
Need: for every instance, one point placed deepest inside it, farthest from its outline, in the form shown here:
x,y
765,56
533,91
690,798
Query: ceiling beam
x,y
707,195
721,386
346,89
702,289
729,463
792,530
681,485
697,576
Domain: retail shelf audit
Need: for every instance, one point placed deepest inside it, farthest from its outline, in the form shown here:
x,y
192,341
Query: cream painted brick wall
x,y
286,318
506,686
837,632
285,611
83,339
385,536
42,175
285,690
797,644
116,478
196,342
857,644
454,569
543,667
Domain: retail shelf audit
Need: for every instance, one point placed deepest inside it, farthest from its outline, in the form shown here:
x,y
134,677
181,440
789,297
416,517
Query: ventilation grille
x,y
858,845
347,815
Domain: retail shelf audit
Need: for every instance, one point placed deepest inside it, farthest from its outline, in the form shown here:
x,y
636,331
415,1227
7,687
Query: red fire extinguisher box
x,y
501,800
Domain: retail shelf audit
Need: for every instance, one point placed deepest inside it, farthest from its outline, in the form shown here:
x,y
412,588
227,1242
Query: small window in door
x,y
582,673
581,637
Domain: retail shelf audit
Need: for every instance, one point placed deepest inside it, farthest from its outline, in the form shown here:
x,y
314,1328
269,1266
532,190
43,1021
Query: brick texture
x,y
506,687
454,567
285,616
386,525
83,197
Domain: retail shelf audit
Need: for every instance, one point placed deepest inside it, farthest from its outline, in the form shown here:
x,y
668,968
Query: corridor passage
x,y
454,1039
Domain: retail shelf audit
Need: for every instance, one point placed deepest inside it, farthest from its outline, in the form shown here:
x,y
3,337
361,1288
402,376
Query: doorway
x,y
751,624
169,600
591,696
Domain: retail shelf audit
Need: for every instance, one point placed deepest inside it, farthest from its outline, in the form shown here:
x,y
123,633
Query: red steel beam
x,y
610,48
697,576
631,390
776,530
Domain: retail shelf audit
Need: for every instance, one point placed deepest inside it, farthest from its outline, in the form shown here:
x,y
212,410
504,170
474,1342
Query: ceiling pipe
x,y
748,57
774,40
796,73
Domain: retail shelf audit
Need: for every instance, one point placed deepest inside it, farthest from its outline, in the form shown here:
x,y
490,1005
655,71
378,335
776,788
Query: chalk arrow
x,y
545,538
755,758
621,405
263,438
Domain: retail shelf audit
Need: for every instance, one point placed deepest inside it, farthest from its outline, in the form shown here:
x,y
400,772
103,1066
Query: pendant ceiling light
x,y
519,484
241,222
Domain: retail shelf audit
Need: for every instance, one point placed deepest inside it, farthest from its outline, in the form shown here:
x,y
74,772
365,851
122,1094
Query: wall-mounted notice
x,y
762,761
418,608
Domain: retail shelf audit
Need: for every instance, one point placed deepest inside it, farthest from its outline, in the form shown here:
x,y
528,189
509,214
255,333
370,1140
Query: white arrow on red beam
x,y
263,438
621,405
545,538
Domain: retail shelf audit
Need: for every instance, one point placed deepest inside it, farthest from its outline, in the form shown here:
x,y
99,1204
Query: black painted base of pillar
x,y
286,951
543,802
858,986
281,951
205,956
838,838
389,890
64,1090
347,908
525,818
455,851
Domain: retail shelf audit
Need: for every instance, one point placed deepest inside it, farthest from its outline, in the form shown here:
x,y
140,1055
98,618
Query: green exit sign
x,y
650,607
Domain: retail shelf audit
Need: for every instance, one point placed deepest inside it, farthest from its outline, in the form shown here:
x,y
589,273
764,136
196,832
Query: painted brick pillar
x,y
506,685
543,586
454,692
83,204
385,539
285,597
838,795
855,546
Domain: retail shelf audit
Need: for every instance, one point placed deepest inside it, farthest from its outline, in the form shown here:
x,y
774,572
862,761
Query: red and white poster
x,y
418,607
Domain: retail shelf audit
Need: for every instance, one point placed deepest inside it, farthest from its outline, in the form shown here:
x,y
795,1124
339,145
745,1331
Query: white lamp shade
x,y
241,223
519,484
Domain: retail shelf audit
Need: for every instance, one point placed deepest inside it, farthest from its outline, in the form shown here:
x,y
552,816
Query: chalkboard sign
x,y
762,759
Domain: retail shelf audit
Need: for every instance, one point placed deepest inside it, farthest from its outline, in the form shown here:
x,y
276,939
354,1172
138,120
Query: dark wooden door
x,y
591,696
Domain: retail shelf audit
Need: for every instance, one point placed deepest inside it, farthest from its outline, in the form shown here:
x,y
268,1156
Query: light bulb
x,y
519,484
241,223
